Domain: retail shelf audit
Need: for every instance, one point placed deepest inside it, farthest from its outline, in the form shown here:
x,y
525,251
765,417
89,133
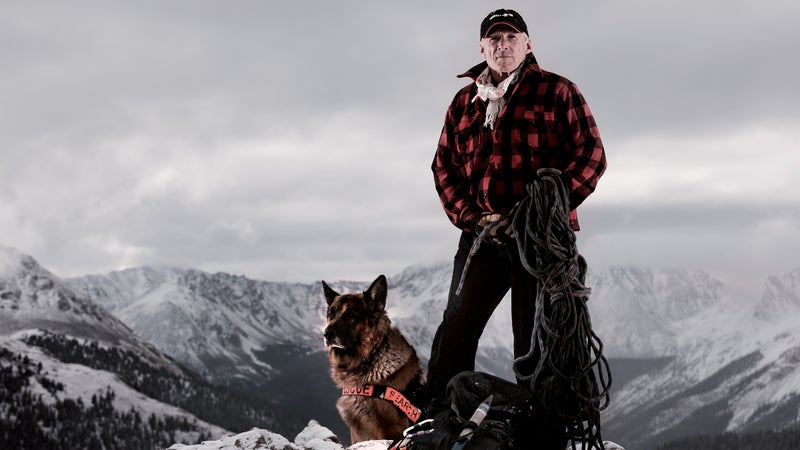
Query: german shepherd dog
x,y
369,357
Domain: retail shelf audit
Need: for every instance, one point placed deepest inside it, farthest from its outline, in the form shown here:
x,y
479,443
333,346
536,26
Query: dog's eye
x,y
348,316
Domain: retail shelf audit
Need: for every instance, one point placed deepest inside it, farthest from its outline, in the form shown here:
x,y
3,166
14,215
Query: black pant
x,y
492,271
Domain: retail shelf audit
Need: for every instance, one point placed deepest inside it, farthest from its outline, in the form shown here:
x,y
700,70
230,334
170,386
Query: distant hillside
x,y
65,361
788,439
687,359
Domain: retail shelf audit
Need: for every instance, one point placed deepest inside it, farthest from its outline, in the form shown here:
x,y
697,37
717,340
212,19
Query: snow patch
x,y
313,437
75,386
10,260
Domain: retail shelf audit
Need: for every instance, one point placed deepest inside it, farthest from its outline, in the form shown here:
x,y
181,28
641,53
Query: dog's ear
x,y
330,294
376,294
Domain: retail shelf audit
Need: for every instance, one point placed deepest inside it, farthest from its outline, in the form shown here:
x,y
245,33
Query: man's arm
x,y
451,181
589,159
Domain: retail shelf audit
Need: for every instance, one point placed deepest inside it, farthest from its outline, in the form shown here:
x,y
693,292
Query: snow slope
x,y
81,382
726,365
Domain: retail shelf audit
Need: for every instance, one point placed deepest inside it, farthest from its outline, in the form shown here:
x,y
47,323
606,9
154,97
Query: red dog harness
x,y
389,394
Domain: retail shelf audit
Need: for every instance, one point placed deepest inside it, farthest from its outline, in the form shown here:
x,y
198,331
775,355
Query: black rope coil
x,y
571,377
568,373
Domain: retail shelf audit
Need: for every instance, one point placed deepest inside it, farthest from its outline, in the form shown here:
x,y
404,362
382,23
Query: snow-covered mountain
x,y
781,297
228,328
641,313
734,367
705,362
686,357
73,390
31,297
683,320
63,356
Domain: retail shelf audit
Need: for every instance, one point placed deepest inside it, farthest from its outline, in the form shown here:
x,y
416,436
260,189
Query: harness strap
x,y
389,394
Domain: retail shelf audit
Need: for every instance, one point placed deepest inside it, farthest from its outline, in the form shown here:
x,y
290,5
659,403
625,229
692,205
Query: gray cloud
x,y
293,141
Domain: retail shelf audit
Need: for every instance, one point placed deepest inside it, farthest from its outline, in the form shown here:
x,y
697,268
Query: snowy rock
x,y
253,439
612,446
317,437
313,437
370,445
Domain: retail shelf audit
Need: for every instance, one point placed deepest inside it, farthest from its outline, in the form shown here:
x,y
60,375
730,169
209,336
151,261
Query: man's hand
x,y
500,231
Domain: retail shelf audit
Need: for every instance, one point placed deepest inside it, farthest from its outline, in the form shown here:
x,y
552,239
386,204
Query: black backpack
x,y
508,424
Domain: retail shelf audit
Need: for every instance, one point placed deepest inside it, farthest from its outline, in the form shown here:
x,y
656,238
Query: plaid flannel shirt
x,y
545,123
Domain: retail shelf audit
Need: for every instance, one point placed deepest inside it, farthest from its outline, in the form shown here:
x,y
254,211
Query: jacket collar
x,y
529,65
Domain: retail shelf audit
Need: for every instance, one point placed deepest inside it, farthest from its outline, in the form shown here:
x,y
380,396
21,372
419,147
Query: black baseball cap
x,y
506,17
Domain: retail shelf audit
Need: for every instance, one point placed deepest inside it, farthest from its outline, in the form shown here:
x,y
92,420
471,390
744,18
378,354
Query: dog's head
x,y
356,322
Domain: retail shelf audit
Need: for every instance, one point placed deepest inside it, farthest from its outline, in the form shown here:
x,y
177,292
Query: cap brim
x,y
497,24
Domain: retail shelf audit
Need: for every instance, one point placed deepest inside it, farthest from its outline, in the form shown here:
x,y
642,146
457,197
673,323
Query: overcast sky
x,y
294,142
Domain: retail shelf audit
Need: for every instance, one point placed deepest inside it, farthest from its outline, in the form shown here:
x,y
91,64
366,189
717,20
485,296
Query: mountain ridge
x,y
718,362
62,354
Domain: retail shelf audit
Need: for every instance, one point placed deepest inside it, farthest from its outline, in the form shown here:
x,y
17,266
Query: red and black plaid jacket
x,y
545,123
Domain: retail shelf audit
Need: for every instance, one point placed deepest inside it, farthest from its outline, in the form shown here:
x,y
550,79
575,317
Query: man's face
x,y
504,49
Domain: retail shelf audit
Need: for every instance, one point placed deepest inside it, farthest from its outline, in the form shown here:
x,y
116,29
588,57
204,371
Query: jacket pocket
x,y
540,129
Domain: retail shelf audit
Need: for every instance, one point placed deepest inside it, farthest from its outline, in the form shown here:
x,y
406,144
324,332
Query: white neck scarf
x,y
494,94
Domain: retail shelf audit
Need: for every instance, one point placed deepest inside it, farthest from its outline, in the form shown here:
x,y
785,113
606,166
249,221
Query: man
x,y
513,119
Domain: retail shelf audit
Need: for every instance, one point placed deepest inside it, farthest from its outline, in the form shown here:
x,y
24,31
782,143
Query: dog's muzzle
x,y
332,340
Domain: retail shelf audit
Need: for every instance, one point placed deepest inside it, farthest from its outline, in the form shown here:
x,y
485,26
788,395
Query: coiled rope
x,y
571,378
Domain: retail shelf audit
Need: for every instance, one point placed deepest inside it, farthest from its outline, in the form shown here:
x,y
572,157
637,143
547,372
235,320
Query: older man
x,y
511,120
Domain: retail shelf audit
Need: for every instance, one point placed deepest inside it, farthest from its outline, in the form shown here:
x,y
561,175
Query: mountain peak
x,y
781,297
710,350
31,297
13,261
673,294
